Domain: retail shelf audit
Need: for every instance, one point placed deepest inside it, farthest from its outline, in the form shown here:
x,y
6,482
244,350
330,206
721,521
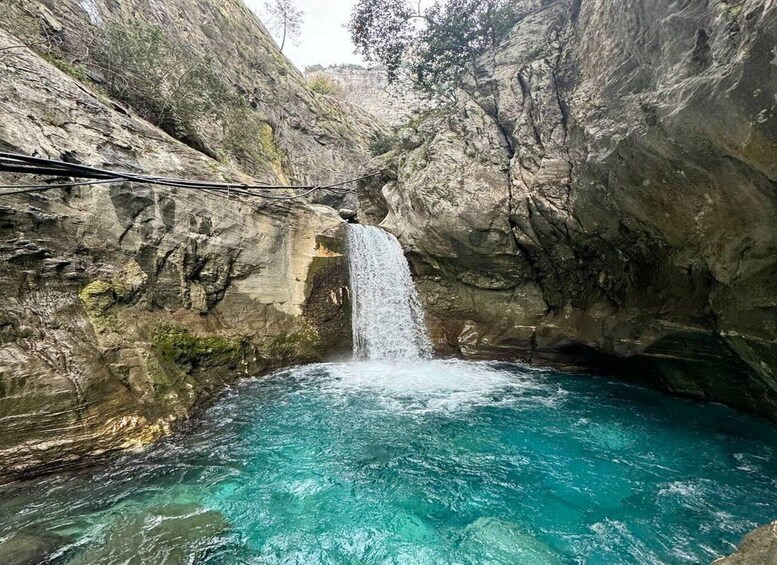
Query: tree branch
x,y
8,48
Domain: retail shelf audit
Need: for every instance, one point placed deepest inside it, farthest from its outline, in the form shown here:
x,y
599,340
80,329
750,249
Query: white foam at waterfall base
x,y
436,386
433,386
393,349
387,318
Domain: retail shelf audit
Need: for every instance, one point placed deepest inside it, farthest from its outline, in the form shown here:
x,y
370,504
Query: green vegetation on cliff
x,y
321,84
164,81
189,351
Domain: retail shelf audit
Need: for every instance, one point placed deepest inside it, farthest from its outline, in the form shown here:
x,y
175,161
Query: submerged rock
x,y
27,548
173,533
498,541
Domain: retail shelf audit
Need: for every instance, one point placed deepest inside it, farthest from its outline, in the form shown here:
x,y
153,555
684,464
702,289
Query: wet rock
x,y
347,214
603,197
757,548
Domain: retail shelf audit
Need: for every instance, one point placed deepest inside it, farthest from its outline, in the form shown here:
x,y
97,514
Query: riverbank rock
x,y
759,547
603,195
124,306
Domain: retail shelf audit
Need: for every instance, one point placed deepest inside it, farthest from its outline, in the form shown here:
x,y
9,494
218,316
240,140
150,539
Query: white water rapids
x,y
388,321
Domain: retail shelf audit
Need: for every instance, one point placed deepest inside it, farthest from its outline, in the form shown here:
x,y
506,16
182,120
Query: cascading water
x,y
388,321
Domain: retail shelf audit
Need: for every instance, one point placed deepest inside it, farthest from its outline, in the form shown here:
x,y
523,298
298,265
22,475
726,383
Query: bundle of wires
x,y
82,175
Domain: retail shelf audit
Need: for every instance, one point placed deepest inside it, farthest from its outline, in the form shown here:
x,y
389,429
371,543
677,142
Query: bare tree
x,y
285,19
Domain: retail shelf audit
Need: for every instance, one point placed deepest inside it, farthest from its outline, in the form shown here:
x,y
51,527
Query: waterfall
x,y
387,318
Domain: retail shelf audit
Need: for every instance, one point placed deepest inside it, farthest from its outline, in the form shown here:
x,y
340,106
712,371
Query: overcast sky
x,y
323,40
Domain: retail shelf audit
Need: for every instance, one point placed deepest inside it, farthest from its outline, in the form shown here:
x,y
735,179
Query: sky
x,y
323,40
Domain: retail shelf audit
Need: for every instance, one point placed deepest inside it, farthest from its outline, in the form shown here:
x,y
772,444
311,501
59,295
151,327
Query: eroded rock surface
x,y
604,193
124,305
217,82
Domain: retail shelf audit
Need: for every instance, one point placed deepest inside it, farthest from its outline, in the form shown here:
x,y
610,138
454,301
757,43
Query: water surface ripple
x,y
432,462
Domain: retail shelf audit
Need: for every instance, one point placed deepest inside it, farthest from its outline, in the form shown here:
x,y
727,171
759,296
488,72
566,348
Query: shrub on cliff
x,y
165,83
321,84
381,143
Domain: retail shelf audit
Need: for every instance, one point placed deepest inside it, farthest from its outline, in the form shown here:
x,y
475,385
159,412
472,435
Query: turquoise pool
x,y
432,462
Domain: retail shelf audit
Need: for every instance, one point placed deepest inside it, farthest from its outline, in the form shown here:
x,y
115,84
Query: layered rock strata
x,y
604,195
124,306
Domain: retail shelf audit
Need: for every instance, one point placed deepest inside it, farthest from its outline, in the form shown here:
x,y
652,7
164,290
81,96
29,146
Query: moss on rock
x,y
97,297
296,346
189,351
101,297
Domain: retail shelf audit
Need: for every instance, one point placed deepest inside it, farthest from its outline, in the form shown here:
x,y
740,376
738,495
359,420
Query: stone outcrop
x,y
604,195
124,306
759,547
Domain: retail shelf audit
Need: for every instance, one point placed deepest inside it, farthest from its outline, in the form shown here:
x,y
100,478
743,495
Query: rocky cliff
x,y
367,89
124,305
604,195
207,73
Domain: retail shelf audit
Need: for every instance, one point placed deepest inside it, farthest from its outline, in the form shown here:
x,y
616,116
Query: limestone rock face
x,y
211,76
604,194
367,89
123,305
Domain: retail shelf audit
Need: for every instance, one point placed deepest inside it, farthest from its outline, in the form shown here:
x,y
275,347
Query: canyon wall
x,y
124,306
368,89
603,195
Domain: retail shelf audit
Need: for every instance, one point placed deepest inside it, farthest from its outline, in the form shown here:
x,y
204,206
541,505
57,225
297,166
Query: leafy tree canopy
x,y
432,44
